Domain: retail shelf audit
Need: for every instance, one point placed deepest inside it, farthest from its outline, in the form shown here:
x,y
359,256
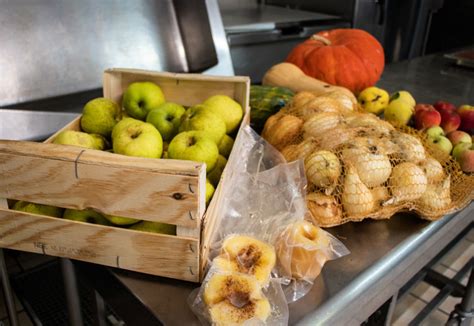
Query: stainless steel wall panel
x,y
50,48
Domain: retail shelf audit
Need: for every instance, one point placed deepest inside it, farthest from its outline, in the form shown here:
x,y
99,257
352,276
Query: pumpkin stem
x,y
321,38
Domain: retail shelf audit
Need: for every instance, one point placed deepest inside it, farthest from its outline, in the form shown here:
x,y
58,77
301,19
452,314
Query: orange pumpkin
x,y
346,57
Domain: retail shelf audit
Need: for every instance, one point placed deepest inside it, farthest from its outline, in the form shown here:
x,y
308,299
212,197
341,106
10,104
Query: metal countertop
x,y
254,17
384,254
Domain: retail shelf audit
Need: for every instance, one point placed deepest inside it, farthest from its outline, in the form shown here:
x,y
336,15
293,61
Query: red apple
x,y
459,136
422,107
466,160
444,106
450,120
467,118
426,116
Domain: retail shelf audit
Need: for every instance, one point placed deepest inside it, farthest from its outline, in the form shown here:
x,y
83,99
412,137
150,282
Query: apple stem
x,y
135,134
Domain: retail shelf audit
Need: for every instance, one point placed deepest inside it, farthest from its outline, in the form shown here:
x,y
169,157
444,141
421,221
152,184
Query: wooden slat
x,y
185,89
77,178
156,254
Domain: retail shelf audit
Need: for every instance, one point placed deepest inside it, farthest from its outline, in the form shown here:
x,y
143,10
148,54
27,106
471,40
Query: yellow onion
x,y
380,195
411,149
324,209
407,182
319,123
322,168
282,129
372,167
437,196
433,169
346,99
356,197
301,99
318,104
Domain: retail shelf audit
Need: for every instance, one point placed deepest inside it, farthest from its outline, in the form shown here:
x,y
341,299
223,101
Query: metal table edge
x,y
327,312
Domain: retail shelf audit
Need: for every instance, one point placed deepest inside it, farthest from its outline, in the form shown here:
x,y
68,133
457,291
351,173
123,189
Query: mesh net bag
x,y
359,166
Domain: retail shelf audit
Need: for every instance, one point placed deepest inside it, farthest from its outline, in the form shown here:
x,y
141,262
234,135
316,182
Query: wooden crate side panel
x,y
73,125
75,178
186,89
156,254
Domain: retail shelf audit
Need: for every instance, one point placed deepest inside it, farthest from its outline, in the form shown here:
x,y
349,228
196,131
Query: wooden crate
x,y
160,190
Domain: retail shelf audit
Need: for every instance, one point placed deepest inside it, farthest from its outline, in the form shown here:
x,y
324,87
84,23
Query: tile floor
x,y
406,309
416,300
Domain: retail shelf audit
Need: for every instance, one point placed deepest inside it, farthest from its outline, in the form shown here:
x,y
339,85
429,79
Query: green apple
x,y
86,215
99,116
197,118
194,146
137,138
434,132
39,209
404,96
215,175
209,191
225,146
142,97
166,118
154,227
459,149
80,139
442,143
119,220
398,112
227,109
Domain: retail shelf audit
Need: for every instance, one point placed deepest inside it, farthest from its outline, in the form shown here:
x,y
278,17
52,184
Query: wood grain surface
x,y
185,89
145,252
73,177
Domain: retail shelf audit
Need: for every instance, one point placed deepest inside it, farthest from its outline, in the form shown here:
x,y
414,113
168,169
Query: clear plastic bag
x,y
223,300
302,250
263,198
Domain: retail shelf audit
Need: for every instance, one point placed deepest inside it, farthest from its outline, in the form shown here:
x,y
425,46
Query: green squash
x,y
266,101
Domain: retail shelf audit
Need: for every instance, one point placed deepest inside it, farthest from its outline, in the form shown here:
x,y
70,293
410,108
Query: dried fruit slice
x,y
224,313
247,255
234,298
302,250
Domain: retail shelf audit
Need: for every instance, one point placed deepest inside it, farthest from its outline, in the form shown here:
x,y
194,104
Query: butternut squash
x,y
290,76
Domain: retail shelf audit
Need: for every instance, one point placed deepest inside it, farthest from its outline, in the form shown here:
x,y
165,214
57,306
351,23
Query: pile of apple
x,y
448,128
148,126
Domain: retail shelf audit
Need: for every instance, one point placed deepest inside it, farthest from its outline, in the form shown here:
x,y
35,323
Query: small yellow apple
x,y
398,112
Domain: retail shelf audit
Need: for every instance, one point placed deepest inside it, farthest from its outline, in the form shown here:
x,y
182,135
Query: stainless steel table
x,y
384,254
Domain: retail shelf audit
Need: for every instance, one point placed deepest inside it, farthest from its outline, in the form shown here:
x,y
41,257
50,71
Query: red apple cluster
x,y
446,116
